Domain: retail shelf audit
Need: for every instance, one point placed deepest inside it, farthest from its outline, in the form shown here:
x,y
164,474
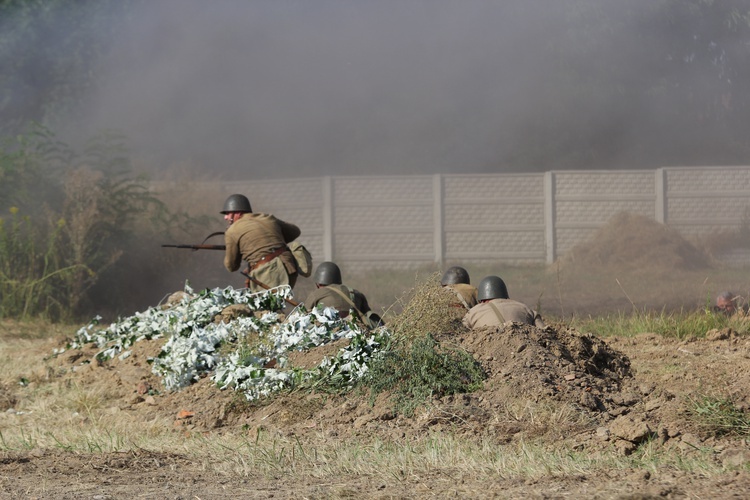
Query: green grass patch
x,y
422,370
719,416
680,324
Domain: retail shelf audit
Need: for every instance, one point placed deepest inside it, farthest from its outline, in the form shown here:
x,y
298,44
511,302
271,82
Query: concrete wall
x,y
404,221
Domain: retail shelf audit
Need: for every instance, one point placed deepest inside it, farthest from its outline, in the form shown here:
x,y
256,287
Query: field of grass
x,y
47,411
51,414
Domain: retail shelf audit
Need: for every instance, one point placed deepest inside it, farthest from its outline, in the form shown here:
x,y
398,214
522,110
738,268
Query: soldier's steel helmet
x,y
454,276
327,273
492,287
236,203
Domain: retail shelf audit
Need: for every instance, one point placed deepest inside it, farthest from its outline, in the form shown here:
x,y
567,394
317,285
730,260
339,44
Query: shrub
x,y
71,218
421,370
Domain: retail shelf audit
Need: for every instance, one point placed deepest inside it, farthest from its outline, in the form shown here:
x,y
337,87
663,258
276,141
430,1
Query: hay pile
x,y
632,242
428,309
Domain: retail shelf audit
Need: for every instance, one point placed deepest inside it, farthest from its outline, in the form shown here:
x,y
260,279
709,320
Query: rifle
x,y
202,245
199,247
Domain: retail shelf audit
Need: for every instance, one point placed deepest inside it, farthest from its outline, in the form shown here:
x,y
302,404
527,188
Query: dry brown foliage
x,y
634,242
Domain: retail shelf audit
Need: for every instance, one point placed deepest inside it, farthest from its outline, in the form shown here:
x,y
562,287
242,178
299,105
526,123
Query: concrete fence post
x,y
437,219
660,187
549,216
328,218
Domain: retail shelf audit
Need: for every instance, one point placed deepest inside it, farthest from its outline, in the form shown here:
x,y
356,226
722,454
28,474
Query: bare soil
x,y
618,394
593,395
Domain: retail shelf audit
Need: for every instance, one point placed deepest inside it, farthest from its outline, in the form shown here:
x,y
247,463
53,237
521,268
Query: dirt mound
x,y
526,362
553,367
577,378
635,242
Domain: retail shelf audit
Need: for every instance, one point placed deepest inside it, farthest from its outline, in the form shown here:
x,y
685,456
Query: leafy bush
x,y
197,345
421,370
414,366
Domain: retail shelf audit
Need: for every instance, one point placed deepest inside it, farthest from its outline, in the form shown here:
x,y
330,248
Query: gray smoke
x,y
299,88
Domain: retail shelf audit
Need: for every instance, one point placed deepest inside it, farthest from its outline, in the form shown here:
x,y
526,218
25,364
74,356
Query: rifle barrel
x,y
198,247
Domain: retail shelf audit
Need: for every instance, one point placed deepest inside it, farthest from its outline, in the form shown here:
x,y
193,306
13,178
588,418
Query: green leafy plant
x,y
70,221
421,370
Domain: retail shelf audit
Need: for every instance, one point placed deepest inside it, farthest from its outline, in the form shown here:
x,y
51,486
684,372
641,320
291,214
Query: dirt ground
x,y
555,386
623,392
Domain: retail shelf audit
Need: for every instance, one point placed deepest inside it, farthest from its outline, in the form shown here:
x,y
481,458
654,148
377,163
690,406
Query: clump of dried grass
x,y
633,242
427,309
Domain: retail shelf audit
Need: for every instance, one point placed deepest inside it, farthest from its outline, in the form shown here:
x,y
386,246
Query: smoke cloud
x,y
300,88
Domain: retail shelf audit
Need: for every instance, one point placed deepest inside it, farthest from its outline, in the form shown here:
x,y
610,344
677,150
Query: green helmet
x,y
492,287
327,273
454,276
236,203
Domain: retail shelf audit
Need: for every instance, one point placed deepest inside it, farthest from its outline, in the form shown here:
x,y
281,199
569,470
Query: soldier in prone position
x,y
456,279
495,308
329,292
730,304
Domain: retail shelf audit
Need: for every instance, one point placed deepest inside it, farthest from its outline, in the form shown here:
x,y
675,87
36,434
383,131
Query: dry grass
x,y
426,309
544,419
51,413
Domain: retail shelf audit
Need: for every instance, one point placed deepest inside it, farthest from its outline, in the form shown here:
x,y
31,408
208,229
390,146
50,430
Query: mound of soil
x,y
532,364
635,242
566,372
553,368
555,383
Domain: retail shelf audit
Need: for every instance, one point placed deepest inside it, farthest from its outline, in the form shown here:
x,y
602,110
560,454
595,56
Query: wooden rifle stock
x,y
202,246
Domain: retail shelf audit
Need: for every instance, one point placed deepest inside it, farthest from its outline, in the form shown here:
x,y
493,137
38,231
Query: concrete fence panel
x,y
585,200
493,217
705,200
406,221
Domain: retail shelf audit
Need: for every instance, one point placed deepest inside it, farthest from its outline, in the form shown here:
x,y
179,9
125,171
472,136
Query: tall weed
x,y
67,221
31,268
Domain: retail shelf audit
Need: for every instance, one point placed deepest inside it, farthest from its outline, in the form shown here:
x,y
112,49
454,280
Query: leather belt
x,y
268,257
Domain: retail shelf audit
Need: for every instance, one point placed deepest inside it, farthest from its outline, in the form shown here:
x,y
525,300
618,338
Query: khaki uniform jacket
x,y
253,236
483,314
326,296
466,294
